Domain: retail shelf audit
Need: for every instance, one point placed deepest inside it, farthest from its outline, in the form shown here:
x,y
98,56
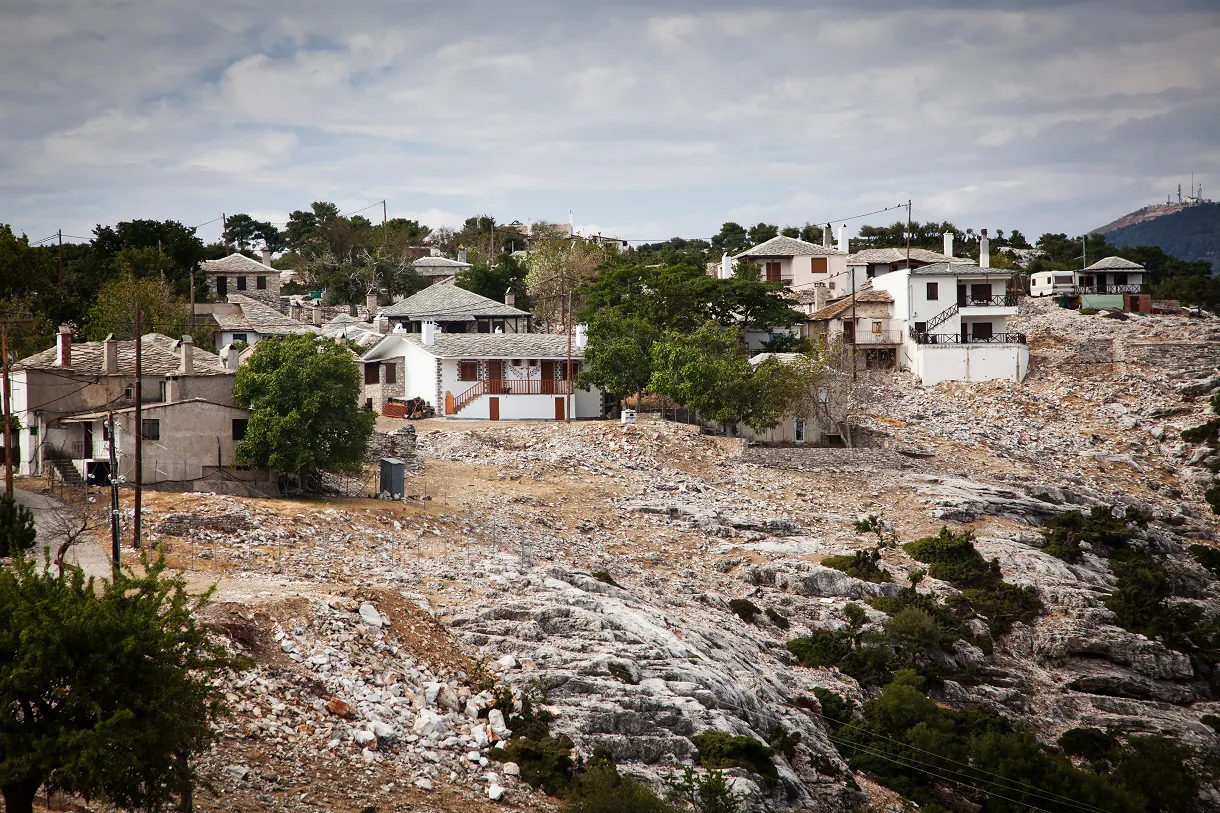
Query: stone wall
x,y
1179,356
813,458
400,443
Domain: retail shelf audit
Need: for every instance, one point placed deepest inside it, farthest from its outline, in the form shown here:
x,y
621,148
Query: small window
x,y
239,428
241,283
240,337
260,283
933,291
372,373
391,374
164,391
150,429
773,272
921,327
877,327
516,362
798,431
468,371
33,431
129,391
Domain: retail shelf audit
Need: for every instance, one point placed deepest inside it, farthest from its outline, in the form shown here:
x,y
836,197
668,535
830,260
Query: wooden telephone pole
x,y
139,433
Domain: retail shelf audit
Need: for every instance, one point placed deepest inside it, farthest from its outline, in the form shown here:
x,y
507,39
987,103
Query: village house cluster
x,y
462,356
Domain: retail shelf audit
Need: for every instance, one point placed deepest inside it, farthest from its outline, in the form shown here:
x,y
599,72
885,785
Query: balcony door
x,y
982,331
548,377
980,292
849,332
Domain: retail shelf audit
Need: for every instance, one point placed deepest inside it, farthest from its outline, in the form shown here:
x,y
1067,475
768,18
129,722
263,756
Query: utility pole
x,y
851,272
114,491
192,299
61,258
8,411
224,230
908,234
139,427
567,412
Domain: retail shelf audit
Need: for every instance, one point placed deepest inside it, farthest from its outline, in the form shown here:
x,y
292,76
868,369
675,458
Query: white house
x,y
252,322
796,263
1112,276
955,322
878,261
456,310
489,376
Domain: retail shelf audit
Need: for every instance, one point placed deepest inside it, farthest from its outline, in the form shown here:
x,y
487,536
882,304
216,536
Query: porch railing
x,y
1109,289
1006,300
508,386
883,337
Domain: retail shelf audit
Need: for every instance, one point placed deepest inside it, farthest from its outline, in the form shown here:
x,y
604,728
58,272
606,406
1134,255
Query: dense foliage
x,y
106,688
1192,233
17,531
1068,534
303,394
863,564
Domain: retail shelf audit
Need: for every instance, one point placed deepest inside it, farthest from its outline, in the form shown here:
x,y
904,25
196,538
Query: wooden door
x,y
548,377
495,375
559,411
980,292
849,332
493,409
961,296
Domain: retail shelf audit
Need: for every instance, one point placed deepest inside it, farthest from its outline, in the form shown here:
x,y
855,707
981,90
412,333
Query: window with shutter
x,y
468,371
817,265
241,283
372,374
773,274
933,291
391,373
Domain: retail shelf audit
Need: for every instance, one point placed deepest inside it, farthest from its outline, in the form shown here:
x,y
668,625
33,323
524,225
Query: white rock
x,y
495,719
423,783
363,737
507,662
495,792
511,769
370,616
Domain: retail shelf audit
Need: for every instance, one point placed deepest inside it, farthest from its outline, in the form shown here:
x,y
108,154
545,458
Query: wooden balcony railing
x,y
506,386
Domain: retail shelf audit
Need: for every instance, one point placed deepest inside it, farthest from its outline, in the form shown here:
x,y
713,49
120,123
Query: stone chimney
x,y
984,250
510,298
726,266
370,302
173,388
843,238
267,257
187,349
462,254
63,347
428,333
948,244
110,355
382,324
827,233
294,311
819,297
317,313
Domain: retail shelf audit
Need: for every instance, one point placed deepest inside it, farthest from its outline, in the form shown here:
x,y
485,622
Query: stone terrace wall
x,y
400,443
812,458
1180,356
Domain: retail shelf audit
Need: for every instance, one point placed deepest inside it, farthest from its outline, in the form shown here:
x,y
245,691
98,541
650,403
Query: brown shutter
x,y
817,265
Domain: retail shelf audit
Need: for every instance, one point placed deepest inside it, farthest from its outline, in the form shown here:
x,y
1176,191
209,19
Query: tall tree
x,y
558,271
241,230
732,238
303,393
108,690
618,356
706,370
493,282
179,243
161,310
761,233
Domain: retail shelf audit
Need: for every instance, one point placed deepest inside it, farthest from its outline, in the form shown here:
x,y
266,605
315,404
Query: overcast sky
x,y
647,119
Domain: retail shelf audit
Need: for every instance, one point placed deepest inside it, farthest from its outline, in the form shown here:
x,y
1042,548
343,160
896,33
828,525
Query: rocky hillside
x,y
651,594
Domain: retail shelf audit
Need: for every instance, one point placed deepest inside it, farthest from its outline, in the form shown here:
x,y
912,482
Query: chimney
x,y
382,324
434,252
63,349
294,311
110,355
826,235
267,257
187,347
428,332
819,297
580,337
317,314
462,254
228,357
510,298
173,388
843,238
948,244
984,250
370,302
726,266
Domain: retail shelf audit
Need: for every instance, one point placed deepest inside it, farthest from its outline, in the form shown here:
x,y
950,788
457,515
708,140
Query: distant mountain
x,y
1188,232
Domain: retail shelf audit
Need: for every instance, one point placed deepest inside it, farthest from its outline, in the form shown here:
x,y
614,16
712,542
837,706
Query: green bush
x,y
1088,311
546,762
744,609
1159,769
1105,533
17,531
605,577
862,565
1211,720
821,648
783,741
602,789
1092,744
1203,433
1207,556
708,793
778,620
836,710
720,750
1140,603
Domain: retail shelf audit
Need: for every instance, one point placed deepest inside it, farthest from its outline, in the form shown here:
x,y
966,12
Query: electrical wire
x,y
1021,786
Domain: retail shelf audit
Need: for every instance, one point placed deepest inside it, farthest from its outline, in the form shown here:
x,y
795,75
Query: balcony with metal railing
x,y
1001,305
1103,288
959,339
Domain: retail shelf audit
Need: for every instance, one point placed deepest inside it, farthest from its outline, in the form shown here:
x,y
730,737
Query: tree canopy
x,y
303,393
107,689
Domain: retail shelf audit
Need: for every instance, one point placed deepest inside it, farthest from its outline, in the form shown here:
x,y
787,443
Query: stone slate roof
x,y
898,255
862,298
438,266
161,355
1115,264
255,317
486,346
959,269
449,303
237,264
787,247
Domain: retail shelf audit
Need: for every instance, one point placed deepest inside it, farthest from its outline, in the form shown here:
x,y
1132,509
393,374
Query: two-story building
x,y
955,322
487,376
62,396
795,263
456,310
239,274
249,321
862,325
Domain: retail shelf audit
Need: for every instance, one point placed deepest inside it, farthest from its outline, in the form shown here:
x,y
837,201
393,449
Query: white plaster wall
x,y
971,362
419,375
252,338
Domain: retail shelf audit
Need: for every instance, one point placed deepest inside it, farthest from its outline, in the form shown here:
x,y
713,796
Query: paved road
x,y
90,555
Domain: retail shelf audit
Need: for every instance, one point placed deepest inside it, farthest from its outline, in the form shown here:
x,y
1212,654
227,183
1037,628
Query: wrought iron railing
x,y
1006,300
1109,289
957,338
